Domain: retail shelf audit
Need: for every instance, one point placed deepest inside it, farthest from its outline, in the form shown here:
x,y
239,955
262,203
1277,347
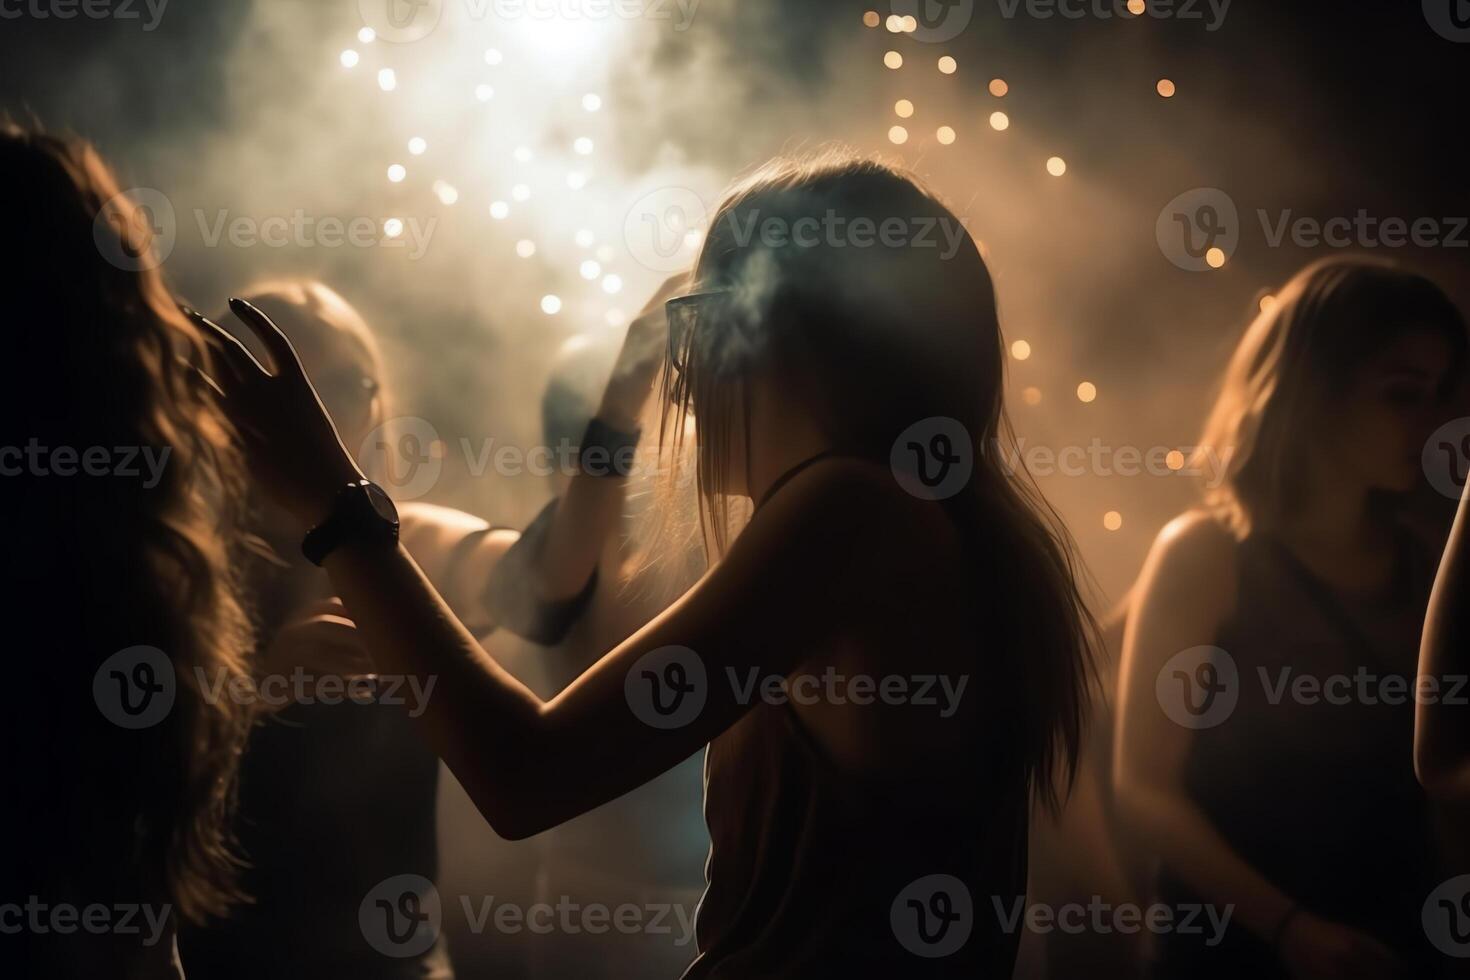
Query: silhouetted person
x,y
848,836
1268,779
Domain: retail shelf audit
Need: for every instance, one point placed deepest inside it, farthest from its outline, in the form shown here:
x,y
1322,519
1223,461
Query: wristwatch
x,y
362,513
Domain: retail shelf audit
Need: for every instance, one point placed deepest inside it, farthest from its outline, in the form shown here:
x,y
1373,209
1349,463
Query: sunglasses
x,y
684,314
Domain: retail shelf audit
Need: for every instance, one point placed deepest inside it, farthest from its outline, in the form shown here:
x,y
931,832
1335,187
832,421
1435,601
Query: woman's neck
x,y
782,437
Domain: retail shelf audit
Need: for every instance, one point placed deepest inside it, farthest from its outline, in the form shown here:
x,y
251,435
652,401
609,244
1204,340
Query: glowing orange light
x,y
893,59
1031,396
898,135
903,108
1215,257
871,18
945,135
1166,88
998,87
1020,350
948,65
1112,520
1174,460
1086,391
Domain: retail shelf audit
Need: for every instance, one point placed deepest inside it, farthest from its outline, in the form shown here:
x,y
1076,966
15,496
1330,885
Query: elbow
x,y
513,805
513,818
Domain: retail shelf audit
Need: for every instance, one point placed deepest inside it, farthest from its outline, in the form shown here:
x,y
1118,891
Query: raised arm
x,y
592,509
1441,729
530,764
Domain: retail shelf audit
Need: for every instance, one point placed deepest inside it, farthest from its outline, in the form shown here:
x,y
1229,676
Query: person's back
x,y
118,478
868,814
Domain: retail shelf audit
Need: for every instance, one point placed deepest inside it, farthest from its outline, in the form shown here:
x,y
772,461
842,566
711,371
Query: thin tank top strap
x,y
791,473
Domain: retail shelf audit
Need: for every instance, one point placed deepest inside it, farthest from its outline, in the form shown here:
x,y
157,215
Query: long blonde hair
x,y
874,338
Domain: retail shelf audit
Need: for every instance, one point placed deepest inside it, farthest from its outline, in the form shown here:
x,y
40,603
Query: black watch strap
x,y
362,513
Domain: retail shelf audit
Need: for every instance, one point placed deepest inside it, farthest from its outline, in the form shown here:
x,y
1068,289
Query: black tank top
x,y
1319,797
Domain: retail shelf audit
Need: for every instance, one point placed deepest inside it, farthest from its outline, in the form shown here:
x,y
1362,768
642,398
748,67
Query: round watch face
x,y
381,502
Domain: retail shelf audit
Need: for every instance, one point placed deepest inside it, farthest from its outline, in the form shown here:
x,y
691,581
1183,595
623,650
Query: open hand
x,y
639,360
291,447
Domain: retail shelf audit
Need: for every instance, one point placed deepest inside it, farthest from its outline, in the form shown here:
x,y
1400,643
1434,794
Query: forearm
x,y
589,515
1442,731
1192,848
479,719
586,518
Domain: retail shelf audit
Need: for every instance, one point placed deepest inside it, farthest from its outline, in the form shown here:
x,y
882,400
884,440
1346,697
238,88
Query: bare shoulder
x,y
842,494
1195,543
1192,567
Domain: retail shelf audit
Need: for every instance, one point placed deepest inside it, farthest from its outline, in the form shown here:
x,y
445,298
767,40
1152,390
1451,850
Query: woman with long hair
x,y
888,663
1261,748
119,478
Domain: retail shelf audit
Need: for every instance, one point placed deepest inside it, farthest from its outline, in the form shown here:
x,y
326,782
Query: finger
x,y
201,378
232,353
283,355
